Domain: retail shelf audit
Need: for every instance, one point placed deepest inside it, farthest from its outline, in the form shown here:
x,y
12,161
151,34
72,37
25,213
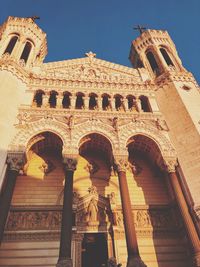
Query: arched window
x,y
93,101
145,104
38,98
105,102
131,102
118,102
79,101
53,99
11,45
66,103
26,51
166,57
153,63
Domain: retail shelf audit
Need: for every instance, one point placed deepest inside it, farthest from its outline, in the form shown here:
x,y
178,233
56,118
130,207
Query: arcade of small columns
x,y
91,101
120,163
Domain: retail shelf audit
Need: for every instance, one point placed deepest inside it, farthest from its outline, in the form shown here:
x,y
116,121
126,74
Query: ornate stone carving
x,y
161,125
70,163
33,220
16,160
121,164
170,165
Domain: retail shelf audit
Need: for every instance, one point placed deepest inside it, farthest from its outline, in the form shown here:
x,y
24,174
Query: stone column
x,y
190,227
86,100
73,101
15,163
45,100
112,101
138,104
134,259
125,102
66,226
59,100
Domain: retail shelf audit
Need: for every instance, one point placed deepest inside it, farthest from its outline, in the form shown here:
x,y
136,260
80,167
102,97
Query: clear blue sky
x,y
105,27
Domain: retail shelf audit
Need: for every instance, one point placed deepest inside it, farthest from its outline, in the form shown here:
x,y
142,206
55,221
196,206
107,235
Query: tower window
x,y
153,63
166,57
11,45
26,51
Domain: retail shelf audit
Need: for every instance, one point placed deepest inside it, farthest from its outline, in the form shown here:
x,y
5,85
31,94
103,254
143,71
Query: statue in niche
x,y
92,211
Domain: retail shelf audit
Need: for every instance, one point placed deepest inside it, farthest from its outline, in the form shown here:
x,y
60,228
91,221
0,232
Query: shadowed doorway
x,y
94,250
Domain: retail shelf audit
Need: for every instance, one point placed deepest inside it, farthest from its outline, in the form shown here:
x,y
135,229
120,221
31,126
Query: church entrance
x,y
94,250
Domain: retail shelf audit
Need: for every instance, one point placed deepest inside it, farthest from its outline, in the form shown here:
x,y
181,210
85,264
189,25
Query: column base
x,y
135,262
196,260
64,263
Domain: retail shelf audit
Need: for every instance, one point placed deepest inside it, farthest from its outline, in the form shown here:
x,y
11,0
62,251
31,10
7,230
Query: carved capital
x,y
121,164
170,165
70,163
15,160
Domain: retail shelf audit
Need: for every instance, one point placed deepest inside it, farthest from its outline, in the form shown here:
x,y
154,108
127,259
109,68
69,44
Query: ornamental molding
x,y
29,130
95,125
71,128
175,76
11,65
90,67
140,128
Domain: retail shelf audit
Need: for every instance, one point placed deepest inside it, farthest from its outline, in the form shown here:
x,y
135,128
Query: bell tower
x,y
23,41
155,50
178,98
22,47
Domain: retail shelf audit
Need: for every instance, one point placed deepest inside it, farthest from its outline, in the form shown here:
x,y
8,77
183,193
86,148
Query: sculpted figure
x,y
92,210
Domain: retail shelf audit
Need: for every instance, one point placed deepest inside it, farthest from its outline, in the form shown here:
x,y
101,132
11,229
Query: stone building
x,y
99,163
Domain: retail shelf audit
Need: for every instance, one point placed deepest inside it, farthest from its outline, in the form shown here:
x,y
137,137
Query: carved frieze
x,y
33,220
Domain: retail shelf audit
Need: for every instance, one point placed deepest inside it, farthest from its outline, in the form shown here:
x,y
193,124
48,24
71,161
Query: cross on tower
x,y
140,28
34,18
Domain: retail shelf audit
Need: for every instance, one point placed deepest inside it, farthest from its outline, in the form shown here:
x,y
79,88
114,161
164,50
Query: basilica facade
x,y
99,162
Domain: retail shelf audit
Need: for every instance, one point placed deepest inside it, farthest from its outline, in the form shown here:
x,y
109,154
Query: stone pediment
x,y
90,69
